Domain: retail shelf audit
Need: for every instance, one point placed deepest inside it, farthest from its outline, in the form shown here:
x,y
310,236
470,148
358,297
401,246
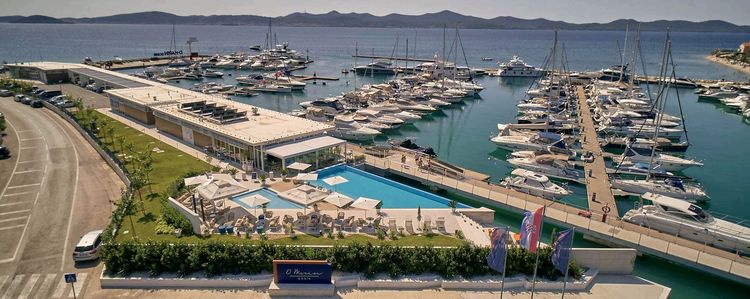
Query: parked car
x,y
49,93
65,103
37,104
26,101
55,99
88,246
19,97
5,93
4,152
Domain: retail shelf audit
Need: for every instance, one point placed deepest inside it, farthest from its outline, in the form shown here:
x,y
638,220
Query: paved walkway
x,y
599,190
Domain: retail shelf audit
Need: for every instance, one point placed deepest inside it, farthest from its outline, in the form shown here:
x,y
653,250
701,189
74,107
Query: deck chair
x,y
427,224
392,225
441,225
409,226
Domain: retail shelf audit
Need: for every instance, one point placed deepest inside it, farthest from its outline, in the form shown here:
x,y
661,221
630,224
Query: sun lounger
x,y
427,224
409,226
349,223
392,225
441,225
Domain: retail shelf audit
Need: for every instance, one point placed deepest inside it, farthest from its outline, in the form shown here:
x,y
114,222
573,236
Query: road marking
x,y
2,281
78,286
19,193
23,131
13,204
33,138
13,285
13,212
46,283
27,171
11,227
29,161
27,147
23,186
29,286
60,289
13,219
75,191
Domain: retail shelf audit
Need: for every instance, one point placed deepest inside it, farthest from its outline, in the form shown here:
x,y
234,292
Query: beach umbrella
x,y
335,180
365,204
255,200
337,199
299,166
306,177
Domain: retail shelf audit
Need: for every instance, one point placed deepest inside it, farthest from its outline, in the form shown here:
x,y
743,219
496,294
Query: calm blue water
x,y
392,194
276,201
459,134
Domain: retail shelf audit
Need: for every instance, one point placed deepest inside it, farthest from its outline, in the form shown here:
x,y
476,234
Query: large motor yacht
x,y
672,187
529,182
379,67
555,166
683,219
517,68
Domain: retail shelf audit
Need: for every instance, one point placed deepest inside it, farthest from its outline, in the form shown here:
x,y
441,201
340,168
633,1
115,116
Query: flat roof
x,y
307,146
119,79
267,126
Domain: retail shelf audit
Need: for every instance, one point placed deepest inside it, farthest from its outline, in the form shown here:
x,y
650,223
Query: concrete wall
x,y
169,127
139,115
194,219
483,216
606,260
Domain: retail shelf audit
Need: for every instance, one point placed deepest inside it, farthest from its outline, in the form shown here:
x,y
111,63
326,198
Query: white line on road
x,y
60,289
29,286
2,281
14,204
46,283
19,193
13,285
13,219
29,161
11,227
33,138
27,171
23,186
78,286
27,147
14,212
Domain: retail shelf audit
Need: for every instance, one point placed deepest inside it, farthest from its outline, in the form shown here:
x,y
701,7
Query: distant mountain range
x,y
429,20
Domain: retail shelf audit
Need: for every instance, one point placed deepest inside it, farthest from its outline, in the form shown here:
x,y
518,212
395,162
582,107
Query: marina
x,y
364,114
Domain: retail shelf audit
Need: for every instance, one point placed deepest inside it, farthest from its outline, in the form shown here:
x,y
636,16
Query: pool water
x,y
393,195
276,201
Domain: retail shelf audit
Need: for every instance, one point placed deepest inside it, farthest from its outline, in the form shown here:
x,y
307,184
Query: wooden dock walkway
x,y
598,189
611,229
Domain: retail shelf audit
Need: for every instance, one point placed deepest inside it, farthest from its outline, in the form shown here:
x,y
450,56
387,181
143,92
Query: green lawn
x,y
168,166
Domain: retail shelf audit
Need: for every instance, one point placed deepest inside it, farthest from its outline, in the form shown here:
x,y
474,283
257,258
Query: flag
x,y
561,249
530,226
496,258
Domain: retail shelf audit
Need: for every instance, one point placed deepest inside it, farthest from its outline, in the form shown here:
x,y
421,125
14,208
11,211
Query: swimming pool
x,y
392,194
276,201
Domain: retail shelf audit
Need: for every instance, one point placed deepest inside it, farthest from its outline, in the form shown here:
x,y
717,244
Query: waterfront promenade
x,y
611,229
598,188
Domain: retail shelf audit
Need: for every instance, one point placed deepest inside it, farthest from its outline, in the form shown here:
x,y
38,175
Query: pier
x,y
140,62
598,189
610,230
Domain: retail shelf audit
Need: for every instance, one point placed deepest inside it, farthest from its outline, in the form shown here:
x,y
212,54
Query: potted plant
x,y
292,234
284,173
378,206
264,207
263,178
453,204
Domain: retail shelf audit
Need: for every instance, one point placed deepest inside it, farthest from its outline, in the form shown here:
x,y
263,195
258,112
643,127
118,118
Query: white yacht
x,y
378,67
672,187
406,116
638,130
683,219
273,88
349,129
666,162
529,182
377,116
517,68
541,141
229,63
411,106
554,166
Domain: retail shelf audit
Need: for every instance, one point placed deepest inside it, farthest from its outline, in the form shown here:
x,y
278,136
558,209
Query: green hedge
x,y
216,258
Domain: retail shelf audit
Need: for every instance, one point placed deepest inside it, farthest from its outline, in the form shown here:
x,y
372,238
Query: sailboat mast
x,y
624,49
661,100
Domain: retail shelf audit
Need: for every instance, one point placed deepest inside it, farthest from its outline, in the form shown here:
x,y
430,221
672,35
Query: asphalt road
x,y
53,189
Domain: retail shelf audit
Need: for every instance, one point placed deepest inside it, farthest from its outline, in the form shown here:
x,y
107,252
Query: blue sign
x,y
70,277
308,272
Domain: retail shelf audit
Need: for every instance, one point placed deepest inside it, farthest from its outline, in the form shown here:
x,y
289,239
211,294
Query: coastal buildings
x,y
251,137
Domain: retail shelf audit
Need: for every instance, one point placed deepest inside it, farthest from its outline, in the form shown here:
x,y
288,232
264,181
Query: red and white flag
x,y
530,226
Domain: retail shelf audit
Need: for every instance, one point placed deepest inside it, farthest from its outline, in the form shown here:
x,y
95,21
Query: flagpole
x,y
567,265
536,259
505,264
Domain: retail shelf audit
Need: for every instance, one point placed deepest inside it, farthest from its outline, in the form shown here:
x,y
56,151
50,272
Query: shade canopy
x,y
219,188
196,180
365,203
306,177
338,199
335,180
299,166
255,200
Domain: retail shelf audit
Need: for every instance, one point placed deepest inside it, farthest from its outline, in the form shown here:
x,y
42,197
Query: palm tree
x,y
121,140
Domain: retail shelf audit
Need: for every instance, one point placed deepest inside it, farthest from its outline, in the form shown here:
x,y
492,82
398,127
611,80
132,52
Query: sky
x,y
574,11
